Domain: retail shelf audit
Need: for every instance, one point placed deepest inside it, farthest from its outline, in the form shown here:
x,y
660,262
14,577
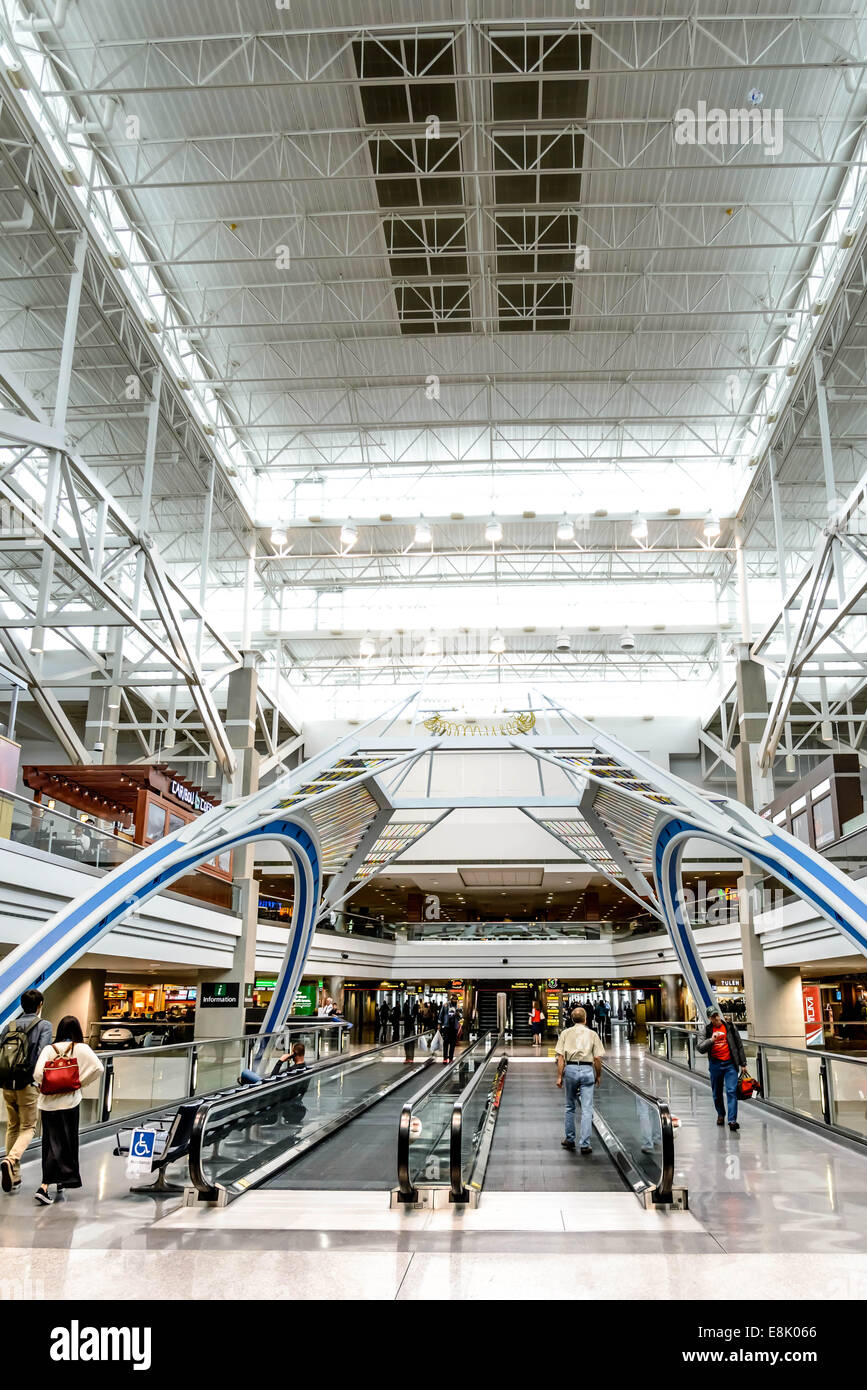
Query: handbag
x,y
436,1042
60,1075
747,1086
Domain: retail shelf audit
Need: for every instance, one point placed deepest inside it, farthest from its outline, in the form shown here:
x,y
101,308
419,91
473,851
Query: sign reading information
x,y
224,995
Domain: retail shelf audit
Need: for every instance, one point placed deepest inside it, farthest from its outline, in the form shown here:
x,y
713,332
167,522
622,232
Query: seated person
x,y
293,1062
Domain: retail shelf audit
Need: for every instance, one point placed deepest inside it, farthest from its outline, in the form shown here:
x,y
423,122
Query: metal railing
x,y
824,1090
138,1082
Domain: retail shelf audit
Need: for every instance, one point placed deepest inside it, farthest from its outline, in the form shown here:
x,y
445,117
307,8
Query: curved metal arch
x,y
75,929
812,877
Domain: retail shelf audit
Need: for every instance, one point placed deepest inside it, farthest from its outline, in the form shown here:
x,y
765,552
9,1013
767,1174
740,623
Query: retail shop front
x,y
136,1009
136,802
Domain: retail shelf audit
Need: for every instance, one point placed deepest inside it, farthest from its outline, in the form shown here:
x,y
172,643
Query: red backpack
x,y
60,1076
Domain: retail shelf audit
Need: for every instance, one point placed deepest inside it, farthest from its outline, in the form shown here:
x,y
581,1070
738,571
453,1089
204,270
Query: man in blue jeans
x,y
579,1055
725,1052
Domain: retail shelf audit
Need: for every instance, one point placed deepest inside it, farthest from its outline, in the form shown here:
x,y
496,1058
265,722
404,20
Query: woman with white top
x,y
59,1109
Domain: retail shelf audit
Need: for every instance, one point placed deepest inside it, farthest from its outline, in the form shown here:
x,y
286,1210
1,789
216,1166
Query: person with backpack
x,y
21,1042
450,1021
64,1066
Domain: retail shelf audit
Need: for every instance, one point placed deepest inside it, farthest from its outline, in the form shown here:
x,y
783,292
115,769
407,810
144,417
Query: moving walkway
x,y
361,1123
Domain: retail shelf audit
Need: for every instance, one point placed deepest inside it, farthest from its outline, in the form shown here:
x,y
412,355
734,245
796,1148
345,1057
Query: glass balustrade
x,y
55,832
637,1131
847,1085
144,1080
828,1089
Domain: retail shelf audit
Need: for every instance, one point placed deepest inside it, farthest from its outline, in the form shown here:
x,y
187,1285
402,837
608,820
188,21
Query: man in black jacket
x,y
725,1052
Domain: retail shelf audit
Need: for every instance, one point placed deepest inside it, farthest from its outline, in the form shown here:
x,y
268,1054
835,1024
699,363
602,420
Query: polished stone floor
x,y
760,1201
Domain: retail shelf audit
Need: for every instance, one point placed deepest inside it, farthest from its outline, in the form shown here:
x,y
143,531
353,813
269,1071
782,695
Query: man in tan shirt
x,y
579,1065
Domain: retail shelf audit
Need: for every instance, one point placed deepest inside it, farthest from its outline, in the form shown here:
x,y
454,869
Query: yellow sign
x,y
516,724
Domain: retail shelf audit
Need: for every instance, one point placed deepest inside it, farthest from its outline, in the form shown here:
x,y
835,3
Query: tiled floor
x,y
760,1202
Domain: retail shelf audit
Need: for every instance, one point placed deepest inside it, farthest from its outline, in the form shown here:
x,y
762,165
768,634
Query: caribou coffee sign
x,y
190,798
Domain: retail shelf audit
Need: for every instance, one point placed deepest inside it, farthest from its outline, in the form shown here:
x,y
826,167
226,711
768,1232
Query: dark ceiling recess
x,y
419,157
420,169
538,152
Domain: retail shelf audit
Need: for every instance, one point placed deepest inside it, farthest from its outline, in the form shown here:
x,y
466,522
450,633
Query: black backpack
x,y
16,1062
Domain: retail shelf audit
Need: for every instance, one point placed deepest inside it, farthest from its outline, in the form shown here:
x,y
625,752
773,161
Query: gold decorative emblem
x,y
453,728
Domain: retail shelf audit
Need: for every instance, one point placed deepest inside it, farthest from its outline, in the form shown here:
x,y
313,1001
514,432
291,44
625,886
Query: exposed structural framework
x,y
341,814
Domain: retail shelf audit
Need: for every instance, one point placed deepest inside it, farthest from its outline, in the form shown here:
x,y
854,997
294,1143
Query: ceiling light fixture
x,y
433,647
278,537
638,530
497,644
423,534
627,641
348,535
565,529
711,529
494,531
367,648
563,642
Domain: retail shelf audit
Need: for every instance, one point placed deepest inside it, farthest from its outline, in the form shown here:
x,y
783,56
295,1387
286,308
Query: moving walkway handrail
x,y
404,1136
456,1135
241,1099
662,1193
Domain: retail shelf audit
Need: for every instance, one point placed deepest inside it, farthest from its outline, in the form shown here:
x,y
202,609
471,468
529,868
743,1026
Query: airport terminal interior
x,y
433,601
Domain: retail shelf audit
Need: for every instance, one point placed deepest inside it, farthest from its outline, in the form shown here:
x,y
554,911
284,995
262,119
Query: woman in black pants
x,y
59,1110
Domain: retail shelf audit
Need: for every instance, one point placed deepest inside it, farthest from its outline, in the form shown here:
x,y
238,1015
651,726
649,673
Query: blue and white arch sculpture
x,y
626,818
280,812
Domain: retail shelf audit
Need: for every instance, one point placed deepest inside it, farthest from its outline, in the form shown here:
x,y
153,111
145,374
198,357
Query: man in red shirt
x,y
722,1042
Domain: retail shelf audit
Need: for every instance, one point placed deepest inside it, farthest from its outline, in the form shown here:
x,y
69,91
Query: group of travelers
x,y
596,1012
414,1016
42,1073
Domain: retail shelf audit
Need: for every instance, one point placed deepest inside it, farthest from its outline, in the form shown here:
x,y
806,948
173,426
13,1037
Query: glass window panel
x,y
156,821
823,821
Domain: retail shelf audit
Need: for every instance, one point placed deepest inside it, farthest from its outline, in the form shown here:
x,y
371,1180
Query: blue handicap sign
x,y
142,1145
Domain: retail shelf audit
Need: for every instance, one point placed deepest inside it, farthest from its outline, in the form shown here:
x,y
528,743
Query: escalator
x,y
522,1000
487,1003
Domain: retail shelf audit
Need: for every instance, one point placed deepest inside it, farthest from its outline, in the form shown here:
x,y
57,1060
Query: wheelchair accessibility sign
x,y
142,1148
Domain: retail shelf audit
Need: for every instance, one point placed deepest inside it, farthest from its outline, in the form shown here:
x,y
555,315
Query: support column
x,y
77,992
773,996
671,1006
241,725
335,989
103,714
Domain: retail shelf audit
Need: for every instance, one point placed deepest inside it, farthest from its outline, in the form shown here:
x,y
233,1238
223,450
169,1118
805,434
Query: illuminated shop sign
x,y
190,798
